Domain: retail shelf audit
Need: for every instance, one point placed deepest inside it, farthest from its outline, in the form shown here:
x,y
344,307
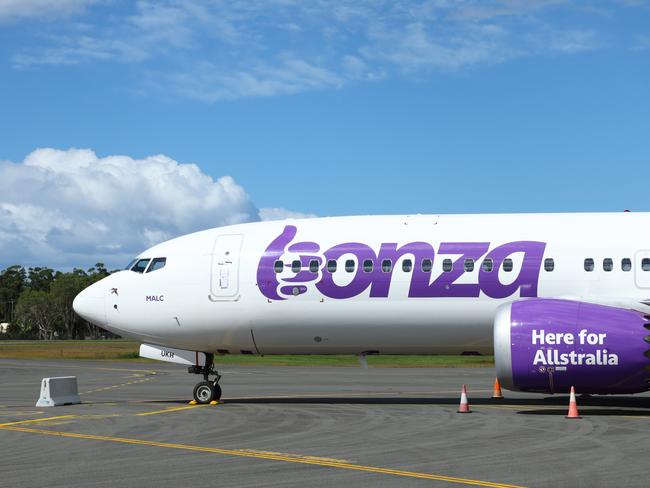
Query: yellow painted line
x,y
269,456
147,371
168,410
36,420
296,456
116,386
61,366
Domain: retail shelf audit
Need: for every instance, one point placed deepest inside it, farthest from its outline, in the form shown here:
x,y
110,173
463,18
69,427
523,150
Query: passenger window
x,y
296,266
549,264
447,265
626,264
469,265
407,265
313,265
608,264
331,266
367,265
427,265
278,266
156,264
645,264
507,265
140,266
589,264
349,265
487,265
387,266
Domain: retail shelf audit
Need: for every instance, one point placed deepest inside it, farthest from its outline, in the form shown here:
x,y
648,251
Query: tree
x,y
42,299
36,314
40,279
63,291
12,283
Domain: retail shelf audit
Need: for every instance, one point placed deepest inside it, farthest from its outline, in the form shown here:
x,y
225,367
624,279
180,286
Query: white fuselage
x,y
220,289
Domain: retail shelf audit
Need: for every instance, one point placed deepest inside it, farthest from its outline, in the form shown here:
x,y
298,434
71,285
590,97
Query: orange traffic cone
x,y
573,406
464,406
496,392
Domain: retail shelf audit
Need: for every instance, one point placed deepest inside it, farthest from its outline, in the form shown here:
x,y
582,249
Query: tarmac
x,y
309,426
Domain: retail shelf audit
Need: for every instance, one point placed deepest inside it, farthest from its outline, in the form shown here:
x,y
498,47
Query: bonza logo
x,y
277,286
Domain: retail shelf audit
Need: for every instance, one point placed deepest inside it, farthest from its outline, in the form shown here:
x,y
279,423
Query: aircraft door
x,y
642,269
224,279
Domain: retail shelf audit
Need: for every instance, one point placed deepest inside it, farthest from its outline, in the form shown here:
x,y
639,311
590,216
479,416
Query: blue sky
x,y
311,107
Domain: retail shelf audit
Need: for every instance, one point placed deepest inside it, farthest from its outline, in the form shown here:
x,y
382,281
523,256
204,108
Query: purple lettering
x,y
361,280
444,285
528,277
419,280
313,269
267,280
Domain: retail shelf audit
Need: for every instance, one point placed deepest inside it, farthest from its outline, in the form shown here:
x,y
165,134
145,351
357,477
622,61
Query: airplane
x,y
561,300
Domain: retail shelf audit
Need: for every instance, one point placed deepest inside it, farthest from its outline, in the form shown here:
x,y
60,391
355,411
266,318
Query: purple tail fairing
x,y
549,345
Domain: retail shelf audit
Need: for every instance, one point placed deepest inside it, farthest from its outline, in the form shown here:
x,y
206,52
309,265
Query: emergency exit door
x,y
642,269
224,283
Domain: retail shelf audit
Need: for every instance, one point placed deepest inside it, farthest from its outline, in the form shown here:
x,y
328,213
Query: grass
x,y
128,350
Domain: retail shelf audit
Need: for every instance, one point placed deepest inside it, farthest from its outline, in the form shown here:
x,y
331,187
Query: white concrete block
x,y
58,391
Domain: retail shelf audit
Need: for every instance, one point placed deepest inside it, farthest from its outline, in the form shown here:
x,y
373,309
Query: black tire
x,y
204,392
217,391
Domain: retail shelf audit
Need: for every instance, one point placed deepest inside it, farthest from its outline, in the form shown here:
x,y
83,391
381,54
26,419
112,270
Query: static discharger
x,y
464,405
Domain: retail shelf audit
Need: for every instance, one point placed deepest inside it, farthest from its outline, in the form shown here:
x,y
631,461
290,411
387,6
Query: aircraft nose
x,y
90,304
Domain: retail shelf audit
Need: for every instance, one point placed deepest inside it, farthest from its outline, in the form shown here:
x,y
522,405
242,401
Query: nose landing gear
x,y
207,390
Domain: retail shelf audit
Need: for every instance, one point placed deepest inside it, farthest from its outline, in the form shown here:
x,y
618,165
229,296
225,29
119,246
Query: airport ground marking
x,y
111,387
296,456
265,455
32,364
147,371
60,417
169,410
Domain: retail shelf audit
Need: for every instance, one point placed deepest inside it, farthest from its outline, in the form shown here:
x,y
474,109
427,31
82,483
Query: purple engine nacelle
x,y
548,345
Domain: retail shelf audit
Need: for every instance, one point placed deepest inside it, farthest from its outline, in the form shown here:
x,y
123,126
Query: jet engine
x,y
548,345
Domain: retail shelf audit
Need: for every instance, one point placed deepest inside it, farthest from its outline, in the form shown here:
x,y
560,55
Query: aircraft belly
x,y
387,328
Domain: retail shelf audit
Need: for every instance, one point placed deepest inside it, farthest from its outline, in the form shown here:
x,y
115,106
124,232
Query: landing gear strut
x,y
206,390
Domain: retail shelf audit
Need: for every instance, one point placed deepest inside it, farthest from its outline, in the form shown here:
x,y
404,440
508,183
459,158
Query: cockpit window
x,y
156,264
141,265
130,265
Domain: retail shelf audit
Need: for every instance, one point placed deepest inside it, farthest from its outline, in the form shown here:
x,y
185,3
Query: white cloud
x,y
573,41
76,50
418,46
282,214
214,51
211,83
73,208
15,9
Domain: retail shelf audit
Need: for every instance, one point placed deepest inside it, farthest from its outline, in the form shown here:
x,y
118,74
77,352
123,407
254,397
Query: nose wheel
x,y
207,390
